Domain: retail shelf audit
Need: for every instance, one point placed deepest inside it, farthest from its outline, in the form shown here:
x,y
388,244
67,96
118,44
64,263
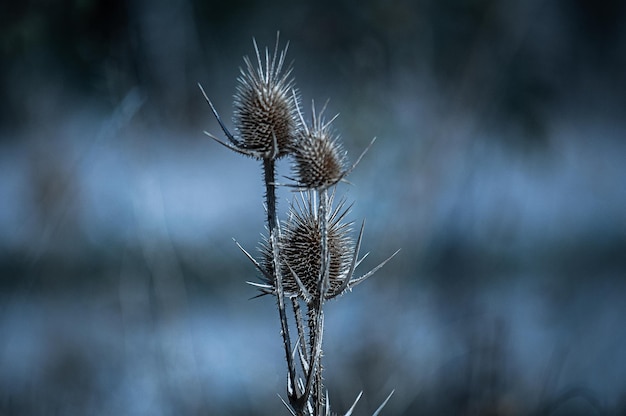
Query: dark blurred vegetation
x,y
518,62
499,172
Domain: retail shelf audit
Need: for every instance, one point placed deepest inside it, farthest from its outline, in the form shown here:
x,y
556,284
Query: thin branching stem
x,y
269,168
324,285
314,384
269,125
324,281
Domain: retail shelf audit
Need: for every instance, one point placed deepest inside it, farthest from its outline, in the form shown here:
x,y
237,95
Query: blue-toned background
x,y
499,170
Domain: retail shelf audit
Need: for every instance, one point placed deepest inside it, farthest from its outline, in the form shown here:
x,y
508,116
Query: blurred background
x,y
499,170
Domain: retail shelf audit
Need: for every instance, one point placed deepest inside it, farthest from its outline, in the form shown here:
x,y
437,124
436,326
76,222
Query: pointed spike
x,y
230,137
267,65
305,293
231,147
380,408
260,295
260,285
284,52
258,57
362,258
347,182
351,409
327,403
274,70
346,282
304,125
244,77
256,263
343,213
355,282
324,108
264,290
329,122
289,178
286,405
332,196
287,185
301,383
347,172
295,348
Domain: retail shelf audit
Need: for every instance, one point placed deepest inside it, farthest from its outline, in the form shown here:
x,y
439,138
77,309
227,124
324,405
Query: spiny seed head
x,y
319,159
301,251
265,113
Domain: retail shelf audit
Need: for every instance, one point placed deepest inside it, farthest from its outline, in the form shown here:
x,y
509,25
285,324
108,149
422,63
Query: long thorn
x,y
234,148
351,409
306,295
231,138
354,165
355,282
287,405
353,264
380,408
267,276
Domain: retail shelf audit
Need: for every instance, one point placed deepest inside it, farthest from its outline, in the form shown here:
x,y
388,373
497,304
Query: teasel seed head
x,y
265,115
301,253
319,158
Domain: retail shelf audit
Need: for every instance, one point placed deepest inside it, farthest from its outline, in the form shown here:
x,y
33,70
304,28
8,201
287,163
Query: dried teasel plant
x,y
312,257
266,122
301,257
265,116
319,160
301,242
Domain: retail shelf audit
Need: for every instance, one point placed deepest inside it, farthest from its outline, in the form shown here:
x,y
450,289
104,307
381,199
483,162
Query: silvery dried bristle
x,y
319,159
265,113
301,253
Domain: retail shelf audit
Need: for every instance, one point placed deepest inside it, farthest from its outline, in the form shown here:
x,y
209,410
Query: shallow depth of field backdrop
x,y
499,170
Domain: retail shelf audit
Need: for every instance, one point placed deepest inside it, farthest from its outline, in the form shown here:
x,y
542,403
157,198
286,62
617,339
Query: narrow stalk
x,y
269,168
324,285
324,282
315,313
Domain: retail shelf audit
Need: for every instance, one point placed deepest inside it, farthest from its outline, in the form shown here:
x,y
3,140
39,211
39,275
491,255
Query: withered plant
x,y
312,257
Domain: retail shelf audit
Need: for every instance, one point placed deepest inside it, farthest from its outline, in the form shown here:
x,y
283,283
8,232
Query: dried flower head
x,y
301,250
319,159
265,107
300,247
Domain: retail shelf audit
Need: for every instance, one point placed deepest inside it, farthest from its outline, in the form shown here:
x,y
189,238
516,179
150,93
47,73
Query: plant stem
x,y
315,313
269,168
324,282
324,285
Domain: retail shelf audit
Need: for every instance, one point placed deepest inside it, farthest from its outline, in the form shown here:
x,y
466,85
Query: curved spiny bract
x,y
265,113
